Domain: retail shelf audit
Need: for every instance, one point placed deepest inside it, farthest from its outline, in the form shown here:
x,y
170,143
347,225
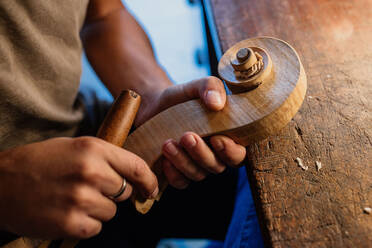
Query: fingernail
x,y
218,145
190,141
214,97
171,149
155,193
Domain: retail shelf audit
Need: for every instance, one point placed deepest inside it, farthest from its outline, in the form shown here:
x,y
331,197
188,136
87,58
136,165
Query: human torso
x,y
40,56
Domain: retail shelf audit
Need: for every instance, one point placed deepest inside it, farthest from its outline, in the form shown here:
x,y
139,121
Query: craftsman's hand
x,y
61,187
191,158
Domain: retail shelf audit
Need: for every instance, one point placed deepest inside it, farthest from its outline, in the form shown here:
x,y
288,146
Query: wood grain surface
x,y
311,208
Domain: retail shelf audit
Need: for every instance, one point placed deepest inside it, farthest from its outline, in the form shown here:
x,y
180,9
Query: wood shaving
x,y
299,163
367,210
318,165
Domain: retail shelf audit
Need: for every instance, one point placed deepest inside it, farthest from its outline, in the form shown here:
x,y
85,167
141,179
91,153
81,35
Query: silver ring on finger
x,y
121,190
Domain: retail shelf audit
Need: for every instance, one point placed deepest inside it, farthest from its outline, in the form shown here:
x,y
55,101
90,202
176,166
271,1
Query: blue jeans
x,y
220,208
244,229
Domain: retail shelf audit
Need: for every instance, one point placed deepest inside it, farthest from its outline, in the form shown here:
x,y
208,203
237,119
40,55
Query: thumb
x,y
213,94
210,90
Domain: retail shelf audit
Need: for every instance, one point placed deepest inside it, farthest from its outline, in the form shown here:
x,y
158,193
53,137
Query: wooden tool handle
x,y
114,129
119,120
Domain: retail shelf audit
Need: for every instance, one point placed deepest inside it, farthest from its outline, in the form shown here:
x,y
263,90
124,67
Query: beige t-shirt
x,y
40,68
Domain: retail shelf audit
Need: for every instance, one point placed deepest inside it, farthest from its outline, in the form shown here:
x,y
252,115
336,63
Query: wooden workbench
x,y
311,208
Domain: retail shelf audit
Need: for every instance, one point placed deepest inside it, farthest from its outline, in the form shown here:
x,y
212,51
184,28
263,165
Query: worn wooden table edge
x,y
210,22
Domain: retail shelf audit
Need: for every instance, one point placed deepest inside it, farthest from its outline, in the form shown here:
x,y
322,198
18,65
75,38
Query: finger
x,y
174,176
108,181
133,169
81,226
96,205
201,153
210,89
126,193
182,162
227,150
111,184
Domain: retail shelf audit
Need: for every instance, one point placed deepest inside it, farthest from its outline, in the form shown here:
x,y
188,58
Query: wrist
x,y
147,84
153,87
151,93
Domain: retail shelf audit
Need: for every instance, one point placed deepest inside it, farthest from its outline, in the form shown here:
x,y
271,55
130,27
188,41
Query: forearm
x,y
121,54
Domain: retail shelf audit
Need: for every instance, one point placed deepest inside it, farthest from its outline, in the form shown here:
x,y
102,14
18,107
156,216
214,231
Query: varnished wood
x,y
118,121
247,117
310,208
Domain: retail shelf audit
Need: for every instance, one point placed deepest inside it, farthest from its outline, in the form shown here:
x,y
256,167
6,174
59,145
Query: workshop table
x,y
317,207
